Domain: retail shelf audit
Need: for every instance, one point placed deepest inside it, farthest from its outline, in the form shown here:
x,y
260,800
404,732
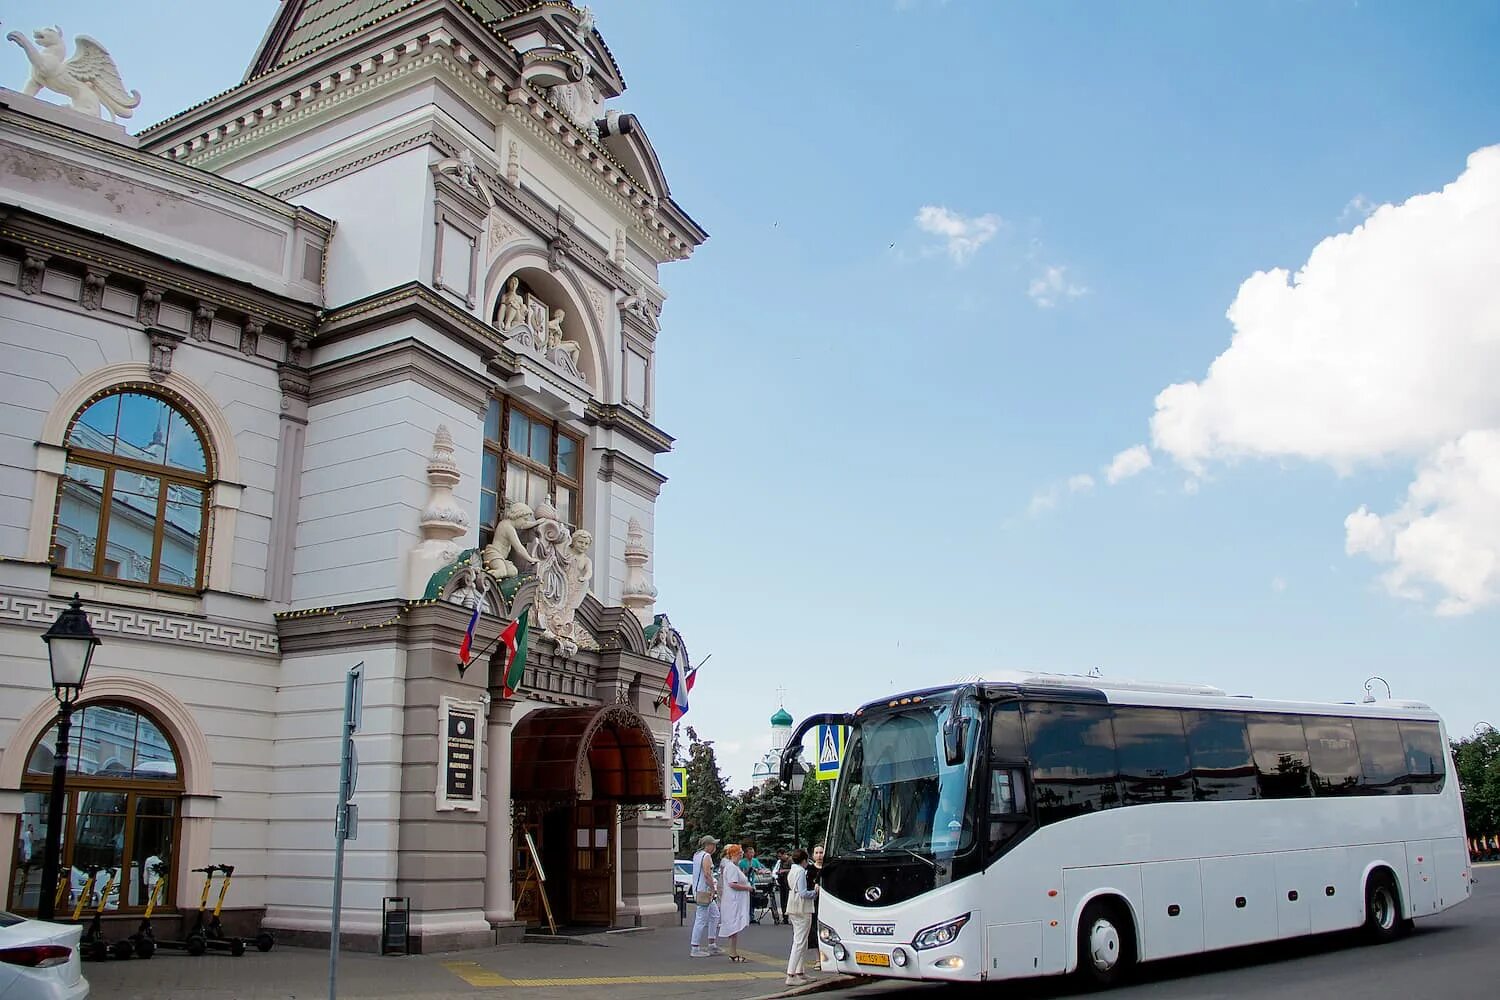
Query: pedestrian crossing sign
x,y
831,741
679,782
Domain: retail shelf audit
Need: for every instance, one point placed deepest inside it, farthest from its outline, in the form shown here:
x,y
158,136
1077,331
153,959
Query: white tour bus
x,y
1069,824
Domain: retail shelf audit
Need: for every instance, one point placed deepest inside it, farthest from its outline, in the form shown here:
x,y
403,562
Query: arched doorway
x,y
122,817
572,770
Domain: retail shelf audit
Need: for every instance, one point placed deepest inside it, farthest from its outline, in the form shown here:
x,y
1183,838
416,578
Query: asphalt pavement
x,y
1451,956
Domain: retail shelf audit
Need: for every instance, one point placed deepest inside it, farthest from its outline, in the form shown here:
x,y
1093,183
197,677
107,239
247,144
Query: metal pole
x,y
341,819
52,854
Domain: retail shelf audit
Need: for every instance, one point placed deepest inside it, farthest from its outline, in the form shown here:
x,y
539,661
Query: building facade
x,y
301,378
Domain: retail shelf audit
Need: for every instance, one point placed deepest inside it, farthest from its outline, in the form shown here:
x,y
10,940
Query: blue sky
x,y
957,251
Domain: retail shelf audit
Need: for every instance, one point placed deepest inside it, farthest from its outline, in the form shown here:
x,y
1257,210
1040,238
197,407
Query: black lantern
x,y
70,649
797,776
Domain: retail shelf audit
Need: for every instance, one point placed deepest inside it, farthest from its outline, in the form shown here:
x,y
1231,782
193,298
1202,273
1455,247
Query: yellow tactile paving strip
x,y
478,976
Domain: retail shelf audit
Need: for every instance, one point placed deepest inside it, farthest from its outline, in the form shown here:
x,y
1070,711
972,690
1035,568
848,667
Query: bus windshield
x,y
896,793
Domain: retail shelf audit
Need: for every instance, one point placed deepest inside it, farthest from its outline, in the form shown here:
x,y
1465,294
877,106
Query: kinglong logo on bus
x,y
874,930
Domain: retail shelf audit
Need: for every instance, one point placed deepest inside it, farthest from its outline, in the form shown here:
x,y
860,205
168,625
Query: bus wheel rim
x,y
1104,945
1384,909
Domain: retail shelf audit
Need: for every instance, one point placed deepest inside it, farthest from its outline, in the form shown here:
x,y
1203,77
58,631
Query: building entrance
x,y
571,771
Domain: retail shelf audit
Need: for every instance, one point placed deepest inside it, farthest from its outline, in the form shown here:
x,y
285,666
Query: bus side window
x,y
1281,763
1219,747
1008,805
1072,750
1153,755
1382,757
1425,765
1334,755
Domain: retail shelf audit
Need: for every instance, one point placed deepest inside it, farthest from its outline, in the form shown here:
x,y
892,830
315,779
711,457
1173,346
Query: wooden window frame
x,y
504,456
133,788
109,464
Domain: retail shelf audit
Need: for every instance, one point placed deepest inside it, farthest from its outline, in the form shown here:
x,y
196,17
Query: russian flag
x,y
463,650
680,681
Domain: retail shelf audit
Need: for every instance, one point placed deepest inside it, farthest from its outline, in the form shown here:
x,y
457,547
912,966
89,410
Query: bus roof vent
x,y
1110,684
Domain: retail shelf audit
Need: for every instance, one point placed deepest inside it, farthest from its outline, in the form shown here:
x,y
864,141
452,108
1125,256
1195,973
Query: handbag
x,y
703,897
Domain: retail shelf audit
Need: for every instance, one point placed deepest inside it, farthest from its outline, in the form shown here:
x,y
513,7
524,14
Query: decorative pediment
x,y
563,28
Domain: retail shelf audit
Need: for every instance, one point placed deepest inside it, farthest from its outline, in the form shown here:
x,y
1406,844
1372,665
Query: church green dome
x,y
781,718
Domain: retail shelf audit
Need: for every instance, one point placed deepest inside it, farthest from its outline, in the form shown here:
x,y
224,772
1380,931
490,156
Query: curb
x,y
579,941
837,981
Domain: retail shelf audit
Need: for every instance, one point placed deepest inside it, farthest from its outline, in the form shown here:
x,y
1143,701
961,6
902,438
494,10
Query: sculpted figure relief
x,y
580,574
556,343
470,584
512,305
90,80
507,544
564,573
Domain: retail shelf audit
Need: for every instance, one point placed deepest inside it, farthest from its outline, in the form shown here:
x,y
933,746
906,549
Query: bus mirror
x,y
954,731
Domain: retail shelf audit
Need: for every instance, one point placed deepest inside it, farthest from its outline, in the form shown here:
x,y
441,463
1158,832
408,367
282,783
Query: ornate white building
x,y
295,379
769,766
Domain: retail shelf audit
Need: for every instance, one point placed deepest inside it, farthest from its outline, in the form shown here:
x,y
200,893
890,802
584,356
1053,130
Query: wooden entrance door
x,y
593,870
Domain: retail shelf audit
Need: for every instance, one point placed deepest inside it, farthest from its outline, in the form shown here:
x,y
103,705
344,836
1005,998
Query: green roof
x,y
316,23
781,718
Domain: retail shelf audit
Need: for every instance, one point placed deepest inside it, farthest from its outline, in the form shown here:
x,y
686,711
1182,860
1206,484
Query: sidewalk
x,y
629,965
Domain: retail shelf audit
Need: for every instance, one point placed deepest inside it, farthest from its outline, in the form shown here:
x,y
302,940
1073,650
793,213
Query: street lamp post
x,y
70,650
798,776
1370,695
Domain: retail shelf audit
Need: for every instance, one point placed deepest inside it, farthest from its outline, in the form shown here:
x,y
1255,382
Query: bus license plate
x,y
872,958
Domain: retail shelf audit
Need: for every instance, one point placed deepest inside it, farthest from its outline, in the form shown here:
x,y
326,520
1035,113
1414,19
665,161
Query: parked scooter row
x,y
203,932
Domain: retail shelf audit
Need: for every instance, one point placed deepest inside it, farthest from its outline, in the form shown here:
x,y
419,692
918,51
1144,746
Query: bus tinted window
x,y
1073,759
1382,756
1424,755
1223,769
1153,756
1280,755
1333,754
1007,741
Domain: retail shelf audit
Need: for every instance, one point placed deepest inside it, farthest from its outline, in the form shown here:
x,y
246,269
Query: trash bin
x,y
394,914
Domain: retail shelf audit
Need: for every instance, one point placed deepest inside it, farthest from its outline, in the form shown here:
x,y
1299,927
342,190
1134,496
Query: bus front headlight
x,y
828,935
939,934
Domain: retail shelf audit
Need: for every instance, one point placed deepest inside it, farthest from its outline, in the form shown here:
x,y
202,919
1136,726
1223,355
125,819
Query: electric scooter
x,y
92,945
194,941
214,933
143,941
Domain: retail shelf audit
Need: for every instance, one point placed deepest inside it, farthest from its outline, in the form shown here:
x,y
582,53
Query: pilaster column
x,y
499,907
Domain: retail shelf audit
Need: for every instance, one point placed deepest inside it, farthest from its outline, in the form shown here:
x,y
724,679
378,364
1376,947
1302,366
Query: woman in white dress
x,y
734,907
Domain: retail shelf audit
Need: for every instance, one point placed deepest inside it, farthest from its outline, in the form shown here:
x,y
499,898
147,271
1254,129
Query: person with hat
x,y
705,888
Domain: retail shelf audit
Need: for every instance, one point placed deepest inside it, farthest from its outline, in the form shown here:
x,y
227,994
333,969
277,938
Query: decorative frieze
x,y
250,333
203,321
94,282
148,307
163,344
33,269
141,623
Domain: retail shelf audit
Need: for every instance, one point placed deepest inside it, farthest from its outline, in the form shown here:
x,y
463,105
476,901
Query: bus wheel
x,y
1382,909
1106,944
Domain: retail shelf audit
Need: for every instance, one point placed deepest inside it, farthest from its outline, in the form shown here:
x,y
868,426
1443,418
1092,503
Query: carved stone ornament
x,y
148,309
465,170
444,520
250,336
513,164
163,343
564,573
90,80
203,320
33,269
638,593
93,289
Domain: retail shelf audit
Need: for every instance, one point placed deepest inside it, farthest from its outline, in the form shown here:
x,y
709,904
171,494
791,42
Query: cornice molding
x,y
612,416
407,360
415,299
641,479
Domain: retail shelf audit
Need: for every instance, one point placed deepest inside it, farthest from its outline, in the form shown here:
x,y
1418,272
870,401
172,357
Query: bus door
x,y
1008,798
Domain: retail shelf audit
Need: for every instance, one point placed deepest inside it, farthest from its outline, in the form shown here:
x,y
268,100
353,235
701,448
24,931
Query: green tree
x,y
763,816
707,807
817,800
1478,762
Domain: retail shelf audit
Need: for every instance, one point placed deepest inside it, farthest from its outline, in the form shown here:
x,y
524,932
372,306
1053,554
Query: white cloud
x,y
1042,500
1081,483
1127,463
962,235
1045,500
1359,207
1447,533
1053,285
1382,346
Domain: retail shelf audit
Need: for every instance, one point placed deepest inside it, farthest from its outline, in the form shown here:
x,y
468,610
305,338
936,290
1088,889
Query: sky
x,y
1160,339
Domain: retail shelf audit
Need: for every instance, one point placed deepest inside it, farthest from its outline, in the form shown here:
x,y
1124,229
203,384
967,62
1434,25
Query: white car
x,y
682,873
40,960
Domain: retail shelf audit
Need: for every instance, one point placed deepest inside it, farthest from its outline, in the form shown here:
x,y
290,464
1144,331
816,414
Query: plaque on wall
x,y
460,747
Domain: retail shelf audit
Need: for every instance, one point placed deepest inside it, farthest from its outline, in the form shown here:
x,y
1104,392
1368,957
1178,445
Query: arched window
x,y
134,500
124,796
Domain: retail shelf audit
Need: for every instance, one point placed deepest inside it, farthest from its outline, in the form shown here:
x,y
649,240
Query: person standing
x,y
814,879
705,887
734,911
779,888
26,835
799,909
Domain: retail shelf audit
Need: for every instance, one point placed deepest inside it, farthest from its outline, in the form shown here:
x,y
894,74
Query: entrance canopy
x,y
557,753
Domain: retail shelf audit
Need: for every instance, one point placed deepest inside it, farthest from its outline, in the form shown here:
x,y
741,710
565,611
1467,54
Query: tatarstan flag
x,y
514,640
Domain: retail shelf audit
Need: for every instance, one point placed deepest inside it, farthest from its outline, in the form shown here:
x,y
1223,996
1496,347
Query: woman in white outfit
x,y
734,905
799,910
